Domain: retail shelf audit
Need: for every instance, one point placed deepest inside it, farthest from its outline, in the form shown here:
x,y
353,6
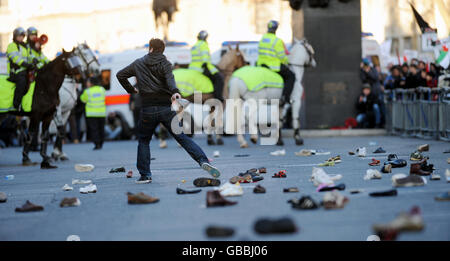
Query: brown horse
x,y
232,60
164,6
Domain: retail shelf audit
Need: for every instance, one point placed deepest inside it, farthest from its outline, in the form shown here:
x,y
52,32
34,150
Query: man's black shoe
x,y
144,180
183,191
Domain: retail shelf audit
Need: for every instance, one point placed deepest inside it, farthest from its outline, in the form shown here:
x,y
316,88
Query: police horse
x,y
42,100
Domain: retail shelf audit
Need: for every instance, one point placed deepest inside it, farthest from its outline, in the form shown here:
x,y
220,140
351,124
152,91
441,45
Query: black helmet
x,y
272,26
202,35
32,30
18,31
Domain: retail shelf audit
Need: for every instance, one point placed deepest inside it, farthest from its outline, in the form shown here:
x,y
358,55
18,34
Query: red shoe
x,y
130,174
374,162
280,174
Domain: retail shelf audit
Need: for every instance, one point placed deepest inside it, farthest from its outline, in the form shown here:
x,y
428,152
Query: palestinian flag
x,y
444,58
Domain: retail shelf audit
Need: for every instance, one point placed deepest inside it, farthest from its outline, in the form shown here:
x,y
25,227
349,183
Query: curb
x,y
335,133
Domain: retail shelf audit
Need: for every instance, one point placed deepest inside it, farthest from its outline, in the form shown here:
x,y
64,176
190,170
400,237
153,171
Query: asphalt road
x,y
106,215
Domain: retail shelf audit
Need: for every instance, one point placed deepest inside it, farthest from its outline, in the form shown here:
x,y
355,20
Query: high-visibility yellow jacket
x,y
94,97
256,78
272,52
17,54
191,81
43,60
199,55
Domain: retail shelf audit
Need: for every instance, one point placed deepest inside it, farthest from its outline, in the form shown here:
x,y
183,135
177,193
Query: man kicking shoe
x,y
156,87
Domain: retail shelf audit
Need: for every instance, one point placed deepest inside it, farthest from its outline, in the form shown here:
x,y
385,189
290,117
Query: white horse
x,y
301,55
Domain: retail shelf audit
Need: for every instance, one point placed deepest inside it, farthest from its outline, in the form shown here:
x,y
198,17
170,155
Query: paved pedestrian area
x,y
106,215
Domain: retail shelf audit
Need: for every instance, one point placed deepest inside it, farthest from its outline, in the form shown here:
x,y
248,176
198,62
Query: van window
x,y
106,79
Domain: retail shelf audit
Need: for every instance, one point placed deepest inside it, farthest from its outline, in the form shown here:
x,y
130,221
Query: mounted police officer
x,y
35,48
18,64
201,61
272,53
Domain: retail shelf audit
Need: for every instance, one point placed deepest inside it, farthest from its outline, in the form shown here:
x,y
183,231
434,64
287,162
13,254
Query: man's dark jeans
x,y
151,116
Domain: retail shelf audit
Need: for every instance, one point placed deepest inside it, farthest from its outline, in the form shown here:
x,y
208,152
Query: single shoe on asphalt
x,y
326,164
206,182
356,191
259,189
320,152
334,200
398,176
141,198
415,169
129,174
372,174
416,156
278,153
379,150
425,166
423,148
115,170
336,159
361,152
213,171
262,170
3,197
388,193
231,190
325,188
409,181
144,180
237,179
392,157
275,226
216,231
84,167
66,187
435,177
70,202
351,153
89,189
29,207
215,199
397,163
304,203
290,190
304,153
256,179
448,160
386,168
81,181
319,176
447,175
443,197
280,174
216,154
411,221
374,162
184,191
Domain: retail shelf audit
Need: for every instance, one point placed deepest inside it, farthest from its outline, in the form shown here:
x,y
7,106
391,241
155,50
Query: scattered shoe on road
x,y
275,226
185,191
372,174
325,188
361,152
206,182
411,221
215,199
231,190
424,147
319,176
129,174
280,174
84,167
304,203
443,197
218,231
386,168
143,180
278,153
374,162
116,170
141,198
66,187
81,181
290,190
70,202
29,207
259,189
409,181
303,153
334,200
379,150
416,169
388,193
3,197
89,189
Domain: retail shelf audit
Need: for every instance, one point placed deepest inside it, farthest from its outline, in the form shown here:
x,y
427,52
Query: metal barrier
x,y
422,112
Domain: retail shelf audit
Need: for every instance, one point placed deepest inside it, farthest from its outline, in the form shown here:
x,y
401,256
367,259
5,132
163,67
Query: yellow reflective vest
x,y
94,97
271,52
17,54
257,78
43,60
199,55
191,81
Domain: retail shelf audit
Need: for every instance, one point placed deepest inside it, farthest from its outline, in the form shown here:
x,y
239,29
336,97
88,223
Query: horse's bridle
x,y
310,54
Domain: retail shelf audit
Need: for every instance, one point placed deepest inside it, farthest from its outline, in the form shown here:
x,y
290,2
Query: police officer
x,y
272,53
18,64
94,97
201,61
35,48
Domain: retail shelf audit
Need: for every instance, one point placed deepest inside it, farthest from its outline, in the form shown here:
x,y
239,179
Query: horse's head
x,y
302,54
90,64
72,63
232,60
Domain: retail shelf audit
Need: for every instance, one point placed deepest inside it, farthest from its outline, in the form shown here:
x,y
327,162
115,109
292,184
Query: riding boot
x,y
26,149
297,137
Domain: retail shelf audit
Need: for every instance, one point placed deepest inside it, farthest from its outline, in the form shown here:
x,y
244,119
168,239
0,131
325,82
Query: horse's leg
x,y
210,139
296,97
32,131
236,85
45,164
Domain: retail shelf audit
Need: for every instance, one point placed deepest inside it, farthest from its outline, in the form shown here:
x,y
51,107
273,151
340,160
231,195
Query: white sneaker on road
x,y
84,167
89,189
